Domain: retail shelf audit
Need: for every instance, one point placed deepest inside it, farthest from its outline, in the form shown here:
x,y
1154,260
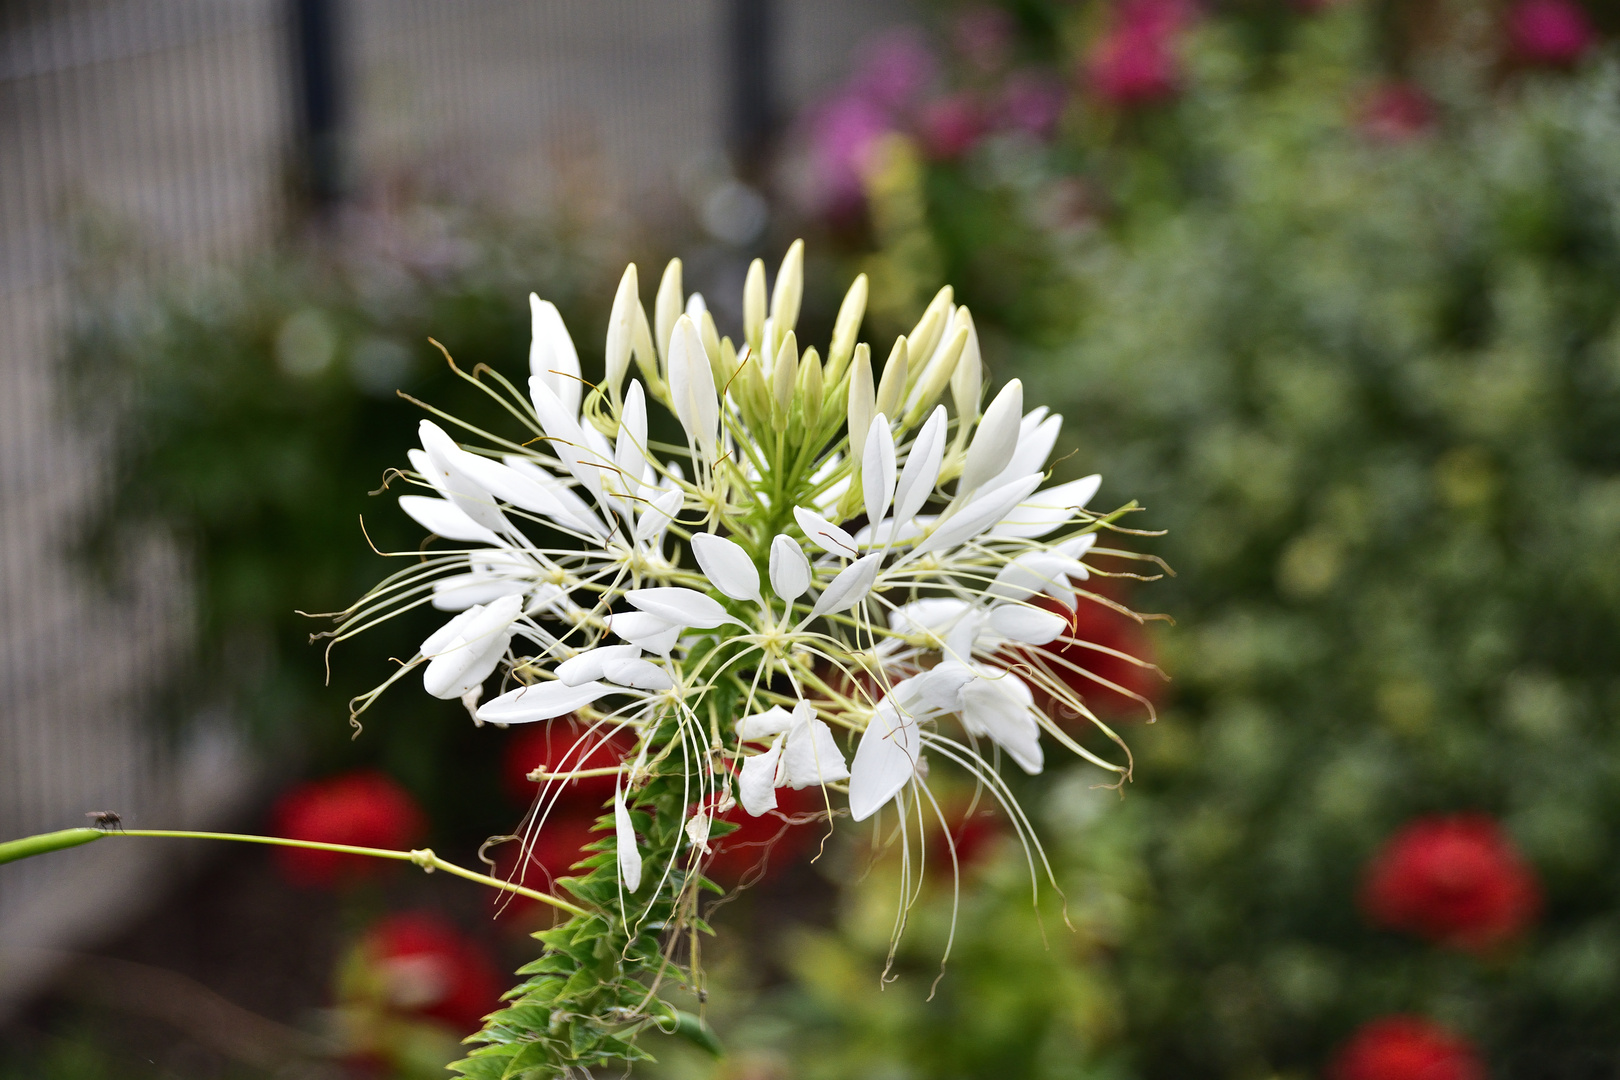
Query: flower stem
x,y
423,857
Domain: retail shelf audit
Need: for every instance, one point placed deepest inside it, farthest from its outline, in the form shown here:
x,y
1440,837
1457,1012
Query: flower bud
x,y
668,307
784,372
934,378
893,383
862,398
810,388
710,336
925,336
845,329
754,305
967,381
789,291
621,329
641,343
750,381
993,444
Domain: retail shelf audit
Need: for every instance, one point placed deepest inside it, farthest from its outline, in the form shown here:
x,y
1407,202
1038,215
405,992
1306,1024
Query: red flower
x,y
1406,1048
1135,62
1103,626
1553,32
974,839
364,808
1396,112
430,968
764,846
952,126
1455,880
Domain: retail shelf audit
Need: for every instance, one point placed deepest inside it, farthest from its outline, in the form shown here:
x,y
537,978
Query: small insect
x,y
105,819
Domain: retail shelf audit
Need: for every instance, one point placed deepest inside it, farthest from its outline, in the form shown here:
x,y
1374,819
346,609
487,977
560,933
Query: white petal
x,y
850,586
756,780
552,356
727,566
1038,572
544,701
1036,436
995,440
1046,510
691,387
523,489
480,640
934,615
1031,625
983,511
443,518
624,837
790,569
811,756
587,666
444,457
877,468
441,639
1001,708
576,513
766,725
462,591
649,631
824,534
565,438
680,607
637,674
922,467
884,761
937,690
656,516
620,327
630,451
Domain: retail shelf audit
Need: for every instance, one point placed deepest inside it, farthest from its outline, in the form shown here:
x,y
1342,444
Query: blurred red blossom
x,y
1553,32
1135,61
764,846
1108,629
973,836
426,966
560,748
1456,880
365,808
1406,1048
1396,112
952,126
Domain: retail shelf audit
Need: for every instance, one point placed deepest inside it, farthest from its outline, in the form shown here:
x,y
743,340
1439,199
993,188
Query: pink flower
x,y
1135,62
984,37
842,133
893,69
1552,32
1396,112
1406,1048
1031,103
951,126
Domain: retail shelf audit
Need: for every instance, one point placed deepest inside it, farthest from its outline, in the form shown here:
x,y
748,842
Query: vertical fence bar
x,y
320,105
752,103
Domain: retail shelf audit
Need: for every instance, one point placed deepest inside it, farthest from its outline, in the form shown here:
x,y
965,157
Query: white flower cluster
x,y
830,559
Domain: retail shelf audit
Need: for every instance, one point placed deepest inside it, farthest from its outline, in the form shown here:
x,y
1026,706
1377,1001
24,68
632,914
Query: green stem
x,y
424,857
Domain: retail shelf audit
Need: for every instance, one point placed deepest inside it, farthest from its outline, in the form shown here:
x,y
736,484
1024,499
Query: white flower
x,y
636,590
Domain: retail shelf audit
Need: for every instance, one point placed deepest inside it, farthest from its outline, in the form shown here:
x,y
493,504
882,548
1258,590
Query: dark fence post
x,y
752,105
320,104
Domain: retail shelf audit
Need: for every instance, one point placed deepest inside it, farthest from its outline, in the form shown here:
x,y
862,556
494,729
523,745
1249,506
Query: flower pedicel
x,y
832,581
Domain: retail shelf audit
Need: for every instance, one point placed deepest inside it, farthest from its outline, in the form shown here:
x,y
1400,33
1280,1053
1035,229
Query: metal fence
x,y
179,123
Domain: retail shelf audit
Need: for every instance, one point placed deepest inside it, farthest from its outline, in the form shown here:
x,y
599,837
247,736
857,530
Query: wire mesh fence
x,y
172,132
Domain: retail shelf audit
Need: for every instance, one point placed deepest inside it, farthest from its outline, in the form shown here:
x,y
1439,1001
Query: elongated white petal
x,y
756,780
621,327
445,459
680,607
824,534
656,516
462,591
576,513
480,640
1037,434
552,356
565,438
443,518
727,566
441,639
1036,572
810,755
937,690
862,396
1031,625
637,674
884,761
1001,708
922,467
630,450
649,631
934,614
983,511
1047,510
545,701
691,387
790,569
995,440
587,666
850,586
523,489
766,725
877,468
624,842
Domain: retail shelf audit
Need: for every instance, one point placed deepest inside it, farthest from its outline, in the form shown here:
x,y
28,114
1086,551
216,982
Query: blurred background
x,y
1332,287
